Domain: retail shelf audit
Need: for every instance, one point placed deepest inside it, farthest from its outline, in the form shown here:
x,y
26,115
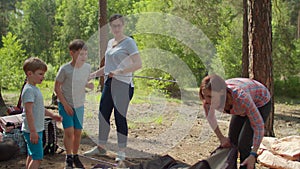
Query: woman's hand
x,y
90,86
115,72
249,162
225,142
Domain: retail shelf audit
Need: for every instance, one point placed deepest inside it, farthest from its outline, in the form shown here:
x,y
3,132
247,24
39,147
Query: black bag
x,y
49,137
164,162
8,149
221,158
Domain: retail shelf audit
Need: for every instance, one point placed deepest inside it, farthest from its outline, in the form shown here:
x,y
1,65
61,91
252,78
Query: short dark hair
x,y
33,64
115,17
77,44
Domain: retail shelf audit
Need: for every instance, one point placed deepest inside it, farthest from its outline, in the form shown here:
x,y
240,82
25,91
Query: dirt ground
x,y
158,128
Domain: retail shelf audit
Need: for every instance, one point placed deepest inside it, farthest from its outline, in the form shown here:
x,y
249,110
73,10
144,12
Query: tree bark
x,y
260,50
245,57
3,108
102,35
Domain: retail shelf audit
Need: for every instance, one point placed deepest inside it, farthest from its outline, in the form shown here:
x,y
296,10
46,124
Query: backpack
x,y
49,136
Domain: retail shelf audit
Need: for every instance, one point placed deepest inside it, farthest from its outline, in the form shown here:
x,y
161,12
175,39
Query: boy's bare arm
x,y
54,116
30,120
61,97
29,116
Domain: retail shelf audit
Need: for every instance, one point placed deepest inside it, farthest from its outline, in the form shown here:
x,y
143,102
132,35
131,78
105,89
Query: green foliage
x,y
12,57
6,8
288,87
285,52
229,48
74,20
45,28
34,27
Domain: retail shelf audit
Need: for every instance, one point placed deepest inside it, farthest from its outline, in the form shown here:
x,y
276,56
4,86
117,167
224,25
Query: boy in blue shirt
x,y
34,112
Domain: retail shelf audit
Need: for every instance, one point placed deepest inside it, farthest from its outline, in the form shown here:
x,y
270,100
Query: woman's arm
x,y
97,73
135,64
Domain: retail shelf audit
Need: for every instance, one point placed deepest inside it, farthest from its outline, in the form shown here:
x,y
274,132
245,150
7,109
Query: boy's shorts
x,y
76,120
36,151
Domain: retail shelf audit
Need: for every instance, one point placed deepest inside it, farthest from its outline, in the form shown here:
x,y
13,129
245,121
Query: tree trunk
x,y
298,26
245,57
260,50
3,108
102,35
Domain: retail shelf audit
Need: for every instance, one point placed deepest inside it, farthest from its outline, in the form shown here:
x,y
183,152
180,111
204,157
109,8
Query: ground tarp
x,y
283,153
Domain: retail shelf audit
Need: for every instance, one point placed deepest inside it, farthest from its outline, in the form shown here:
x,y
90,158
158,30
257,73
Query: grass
x,y
140,95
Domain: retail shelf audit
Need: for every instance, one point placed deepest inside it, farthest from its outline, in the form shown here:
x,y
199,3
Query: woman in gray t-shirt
x,y
121,60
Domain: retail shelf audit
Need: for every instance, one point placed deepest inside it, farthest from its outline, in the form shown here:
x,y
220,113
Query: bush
x,y
287,88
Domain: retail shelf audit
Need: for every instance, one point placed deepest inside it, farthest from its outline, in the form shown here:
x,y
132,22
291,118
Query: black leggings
x,y
241,132
116,96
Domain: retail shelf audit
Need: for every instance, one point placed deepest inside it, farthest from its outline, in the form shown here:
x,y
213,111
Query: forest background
x,y
43,28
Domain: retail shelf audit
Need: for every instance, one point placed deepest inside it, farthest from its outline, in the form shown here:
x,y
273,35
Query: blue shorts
x,y
76,120
36,151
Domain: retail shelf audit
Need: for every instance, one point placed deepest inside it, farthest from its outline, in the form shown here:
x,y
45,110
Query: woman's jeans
x,y
241,132
116,96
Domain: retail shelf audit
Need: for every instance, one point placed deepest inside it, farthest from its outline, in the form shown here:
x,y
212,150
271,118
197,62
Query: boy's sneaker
x,y
69,162
77,162
120,156
98,151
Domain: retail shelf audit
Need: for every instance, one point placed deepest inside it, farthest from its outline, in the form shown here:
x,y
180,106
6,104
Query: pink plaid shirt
x,y
248,95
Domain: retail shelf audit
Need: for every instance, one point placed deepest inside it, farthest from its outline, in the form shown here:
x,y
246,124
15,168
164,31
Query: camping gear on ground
x,y
164,162
221,158
280,152
17,136
49,136
8,123
8,149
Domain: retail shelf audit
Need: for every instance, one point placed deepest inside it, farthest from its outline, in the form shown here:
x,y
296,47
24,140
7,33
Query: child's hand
x,y
68,109
34,137
57,117
90,85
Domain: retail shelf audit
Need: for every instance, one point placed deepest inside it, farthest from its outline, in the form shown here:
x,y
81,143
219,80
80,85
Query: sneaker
x,y
77,162
98,151
69,162
120,156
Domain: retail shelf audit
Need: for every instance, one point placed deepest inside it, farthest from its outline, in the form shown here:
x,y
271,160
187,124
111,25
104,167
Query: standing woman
x,y
121,60
249,103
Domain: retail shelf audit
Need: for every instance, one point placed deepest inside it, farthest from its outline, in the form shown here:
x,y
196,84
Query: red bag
x,y
8,123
